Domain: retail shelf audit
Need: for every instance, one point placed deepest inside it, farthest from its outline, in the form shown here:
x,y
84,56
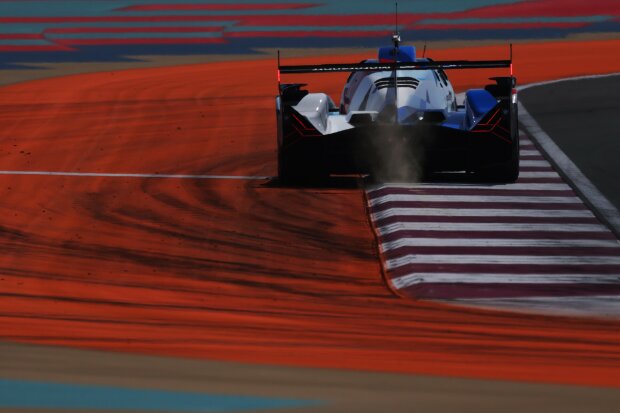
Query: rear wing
x,y
430,65
383,66
394,66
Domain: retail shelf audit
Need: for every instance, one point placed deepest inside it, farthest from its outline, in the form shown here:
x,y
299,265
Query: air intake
x,y
401,82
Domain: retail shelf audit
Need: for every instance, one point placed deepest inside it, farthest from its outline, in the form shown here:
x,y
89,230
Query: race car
x,y
398,118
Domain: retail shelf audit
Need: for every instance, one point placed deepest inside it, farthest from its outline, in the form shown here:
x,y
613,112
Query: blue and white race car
x,y
398,118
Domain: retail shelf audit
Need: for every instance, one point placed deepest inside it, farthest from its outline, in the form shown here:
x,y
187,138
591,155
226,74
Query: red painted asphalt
x,y
236,270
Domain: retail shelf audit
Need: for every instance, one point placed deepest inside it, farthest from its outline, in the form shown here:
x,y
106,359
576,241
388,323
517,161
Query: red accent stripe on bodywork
x,y
306,131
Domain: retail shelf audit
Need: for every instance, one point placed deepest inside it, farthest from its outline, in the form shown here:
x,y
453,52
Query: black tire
x,y
297,167
506,172
288,173
509,171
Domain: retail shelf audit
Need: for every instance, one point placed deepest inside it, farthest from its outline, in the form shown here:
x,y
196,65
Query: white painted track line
x,y
130,175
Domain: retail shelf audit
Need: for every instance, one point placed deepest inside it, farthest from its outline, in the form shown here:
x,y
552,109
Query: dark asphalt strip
x,y
583,119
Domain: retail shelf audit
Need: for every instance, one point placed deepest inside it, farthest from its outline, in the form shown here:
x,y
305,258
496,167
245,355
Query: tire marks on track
x,y
225,269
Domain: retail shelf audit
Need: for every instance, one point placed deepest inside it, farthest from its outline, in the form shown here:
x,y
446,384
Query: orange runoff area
x,y
232,269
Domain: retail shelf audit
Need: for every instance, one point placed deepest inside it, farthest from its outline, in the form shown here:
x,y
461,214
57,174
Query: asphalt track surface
x,y
237,270
581,117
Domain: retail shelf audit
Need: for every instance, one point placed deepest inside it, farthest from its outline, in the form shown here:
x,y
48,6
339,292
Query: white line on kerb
x,y
460,212
123,175
530,260
499,242
495,227
605,209
540,163
496,187
538,174
477,278
475,198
